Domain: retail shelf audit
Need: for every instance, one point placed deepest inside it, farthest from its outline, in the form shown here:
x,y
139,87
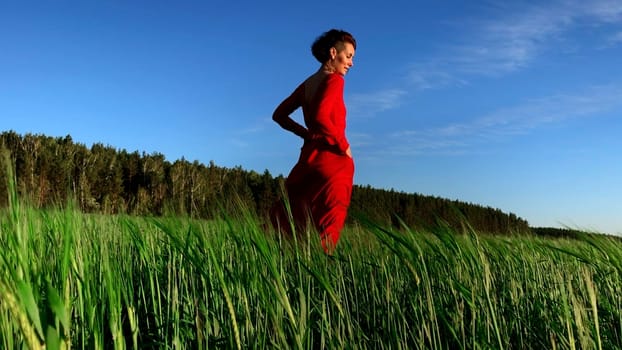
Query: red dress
x,y
319,186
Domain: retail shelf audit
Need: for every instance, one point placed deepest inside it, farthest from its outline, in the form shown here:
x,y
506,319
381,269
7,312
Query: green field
x,y
72,280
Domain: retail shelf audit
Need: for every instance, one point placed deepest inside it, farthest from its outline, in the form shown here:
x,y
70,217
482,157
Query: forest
x,y
54,171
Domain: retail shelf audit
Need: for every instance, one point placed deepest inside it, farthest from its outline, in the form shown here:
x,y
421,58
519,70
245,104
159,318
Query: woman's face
x,y
342,60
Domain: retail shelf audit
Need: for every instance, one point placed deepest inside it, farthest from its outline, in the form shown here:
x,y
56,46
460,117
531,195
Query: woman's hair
x,y
332,38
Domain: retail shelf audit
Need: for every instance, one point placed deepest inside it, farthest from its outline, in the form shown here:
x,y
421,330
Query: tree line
x,y
50,171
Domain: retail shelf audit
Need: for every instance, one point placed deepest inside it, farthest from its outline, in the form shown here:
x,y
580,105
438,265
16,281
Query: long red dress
x,y
319,186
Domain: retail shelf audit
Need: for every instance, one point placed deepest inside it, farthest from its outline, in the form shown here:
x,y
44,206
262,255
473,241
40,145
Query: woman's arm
x,y
282,113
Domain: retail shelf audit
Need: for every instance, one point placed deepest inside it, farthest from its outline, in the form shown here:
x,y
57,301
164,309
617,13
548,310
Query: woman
x,y
320,184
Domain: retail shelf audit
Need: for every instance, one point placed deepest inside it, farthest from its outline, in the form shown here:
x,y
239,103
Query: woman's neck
x,y
327,69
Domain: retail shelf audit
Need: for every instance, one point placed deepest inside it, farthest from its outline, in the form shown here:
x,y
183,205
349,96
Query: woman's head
x,y
335,49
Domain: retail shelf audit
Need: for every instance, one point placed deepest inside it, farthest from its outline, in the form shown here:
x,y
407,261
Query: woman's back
x,y
312,85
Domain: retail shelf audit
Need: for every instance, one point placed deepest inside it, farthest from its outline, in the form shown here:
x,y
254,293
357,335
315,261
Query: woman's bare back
x,y
312,85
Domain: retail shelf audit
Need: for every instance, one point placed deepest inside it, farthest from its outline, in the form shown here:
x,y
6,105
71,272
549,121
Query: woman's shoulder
x,y
320,77
320,83
335,75
334,81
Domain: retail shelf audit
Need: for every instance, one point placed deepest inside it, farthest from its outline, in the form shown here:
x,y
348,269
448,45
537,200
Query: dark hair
x,y
332,38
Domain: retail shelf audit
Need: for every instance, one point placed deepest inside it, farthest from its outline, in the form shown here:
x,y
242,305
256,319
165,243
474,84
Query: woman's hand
x,y
349,152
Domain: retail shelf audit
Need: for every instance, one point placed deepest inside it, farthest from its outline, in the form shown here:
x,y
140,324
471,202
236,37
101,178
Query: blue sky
x,y
515,105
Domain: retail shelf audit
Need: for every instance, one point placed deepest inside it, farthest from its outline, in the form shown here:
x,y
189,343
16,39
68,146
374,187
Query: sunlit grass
x,y
71,280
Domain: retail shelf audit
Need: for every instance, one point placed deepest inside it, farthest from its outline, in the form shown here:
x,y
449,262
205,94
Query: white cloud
x,y
432,76
240,137
553,109
603,10
458,138
514,38
369,104
615,39
358,140
511,42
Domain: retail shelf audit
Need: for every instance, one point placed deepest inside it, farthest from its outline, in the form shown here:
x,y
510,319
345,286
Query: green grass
x,y
71,280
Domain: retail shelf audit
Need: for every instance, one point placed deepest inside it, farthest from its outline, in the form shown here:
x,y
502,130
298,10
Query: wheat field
x,y
81,281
